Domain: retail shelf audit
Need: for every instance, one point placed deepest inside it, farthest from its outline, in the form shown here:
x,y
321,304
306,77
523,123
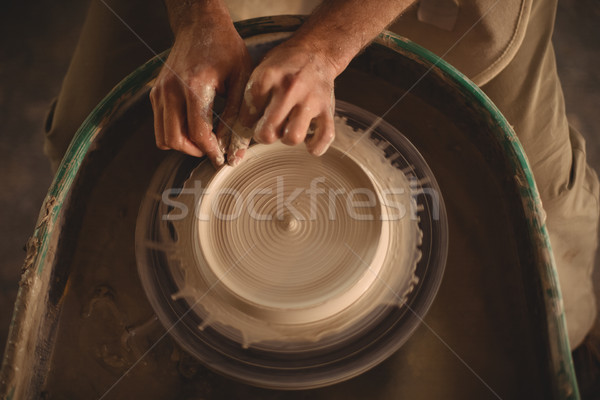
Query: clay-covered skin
x,y
290,90
208,57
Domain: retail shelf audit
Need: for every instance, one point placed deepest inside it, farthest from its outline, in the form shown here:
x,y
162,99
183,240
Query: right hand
x,y
288,92
208,57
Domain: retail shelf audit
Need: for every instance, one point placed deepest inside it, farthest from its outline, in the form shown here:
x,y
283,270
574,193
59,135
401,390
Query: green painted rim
x,y
562,365
562,361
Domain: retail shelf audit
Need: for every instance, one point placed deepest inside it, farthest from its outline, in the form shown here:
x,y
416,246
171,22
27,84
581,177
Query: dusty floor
x,y
36,45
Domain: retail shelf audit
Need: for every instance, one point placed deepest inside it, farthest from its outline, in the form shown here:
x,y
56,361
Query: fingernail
x,y
320,151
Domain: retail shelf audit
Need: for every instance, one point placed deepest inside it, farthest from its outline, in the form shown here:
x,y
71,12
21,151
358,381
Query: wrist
x,y
330,58
186,15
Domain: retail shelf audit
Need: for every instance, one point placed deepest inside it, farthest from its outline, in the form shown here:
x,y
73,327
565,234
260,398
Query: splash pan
x,y
290,271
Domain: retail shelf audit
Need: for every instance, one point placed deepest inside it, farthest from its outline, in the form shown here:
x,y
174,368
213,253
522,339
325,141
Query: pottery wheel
x,y
286,253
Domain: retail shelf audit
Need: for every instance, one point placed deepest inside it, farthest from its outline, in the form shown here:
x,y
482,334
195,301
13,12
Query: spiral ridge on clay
x,y
287,263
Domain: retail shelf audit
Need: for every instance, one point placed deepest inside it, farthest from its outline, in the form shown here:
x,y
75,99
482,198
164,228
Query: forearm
x,y
186,13
340,29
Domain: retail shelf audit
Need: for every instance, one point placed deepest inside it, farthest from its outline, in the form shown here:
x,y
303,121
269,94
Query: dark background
x,y
36,42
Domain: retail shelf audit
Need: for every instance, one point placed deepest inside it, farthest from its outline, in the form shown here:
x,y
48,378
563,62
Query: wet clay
x,y
290,247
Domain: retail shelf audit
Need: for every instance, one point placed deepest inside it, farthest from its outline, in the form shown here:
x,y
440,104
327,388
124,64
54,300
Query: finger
x,y
238,145
174,125
256,97
199,116
232,136
269,128
228,117
297,125
157,110
324,134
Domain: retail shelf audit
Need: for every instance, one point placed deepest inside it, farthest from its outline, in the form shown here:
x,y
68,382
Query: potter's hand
x,y
288,92
208,57
292,87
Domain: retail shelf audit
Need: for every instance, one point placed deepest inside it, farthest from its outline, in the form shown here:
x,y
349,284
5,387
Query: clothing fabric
x,y
483,40
106,52
529,94
246,9
526,89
